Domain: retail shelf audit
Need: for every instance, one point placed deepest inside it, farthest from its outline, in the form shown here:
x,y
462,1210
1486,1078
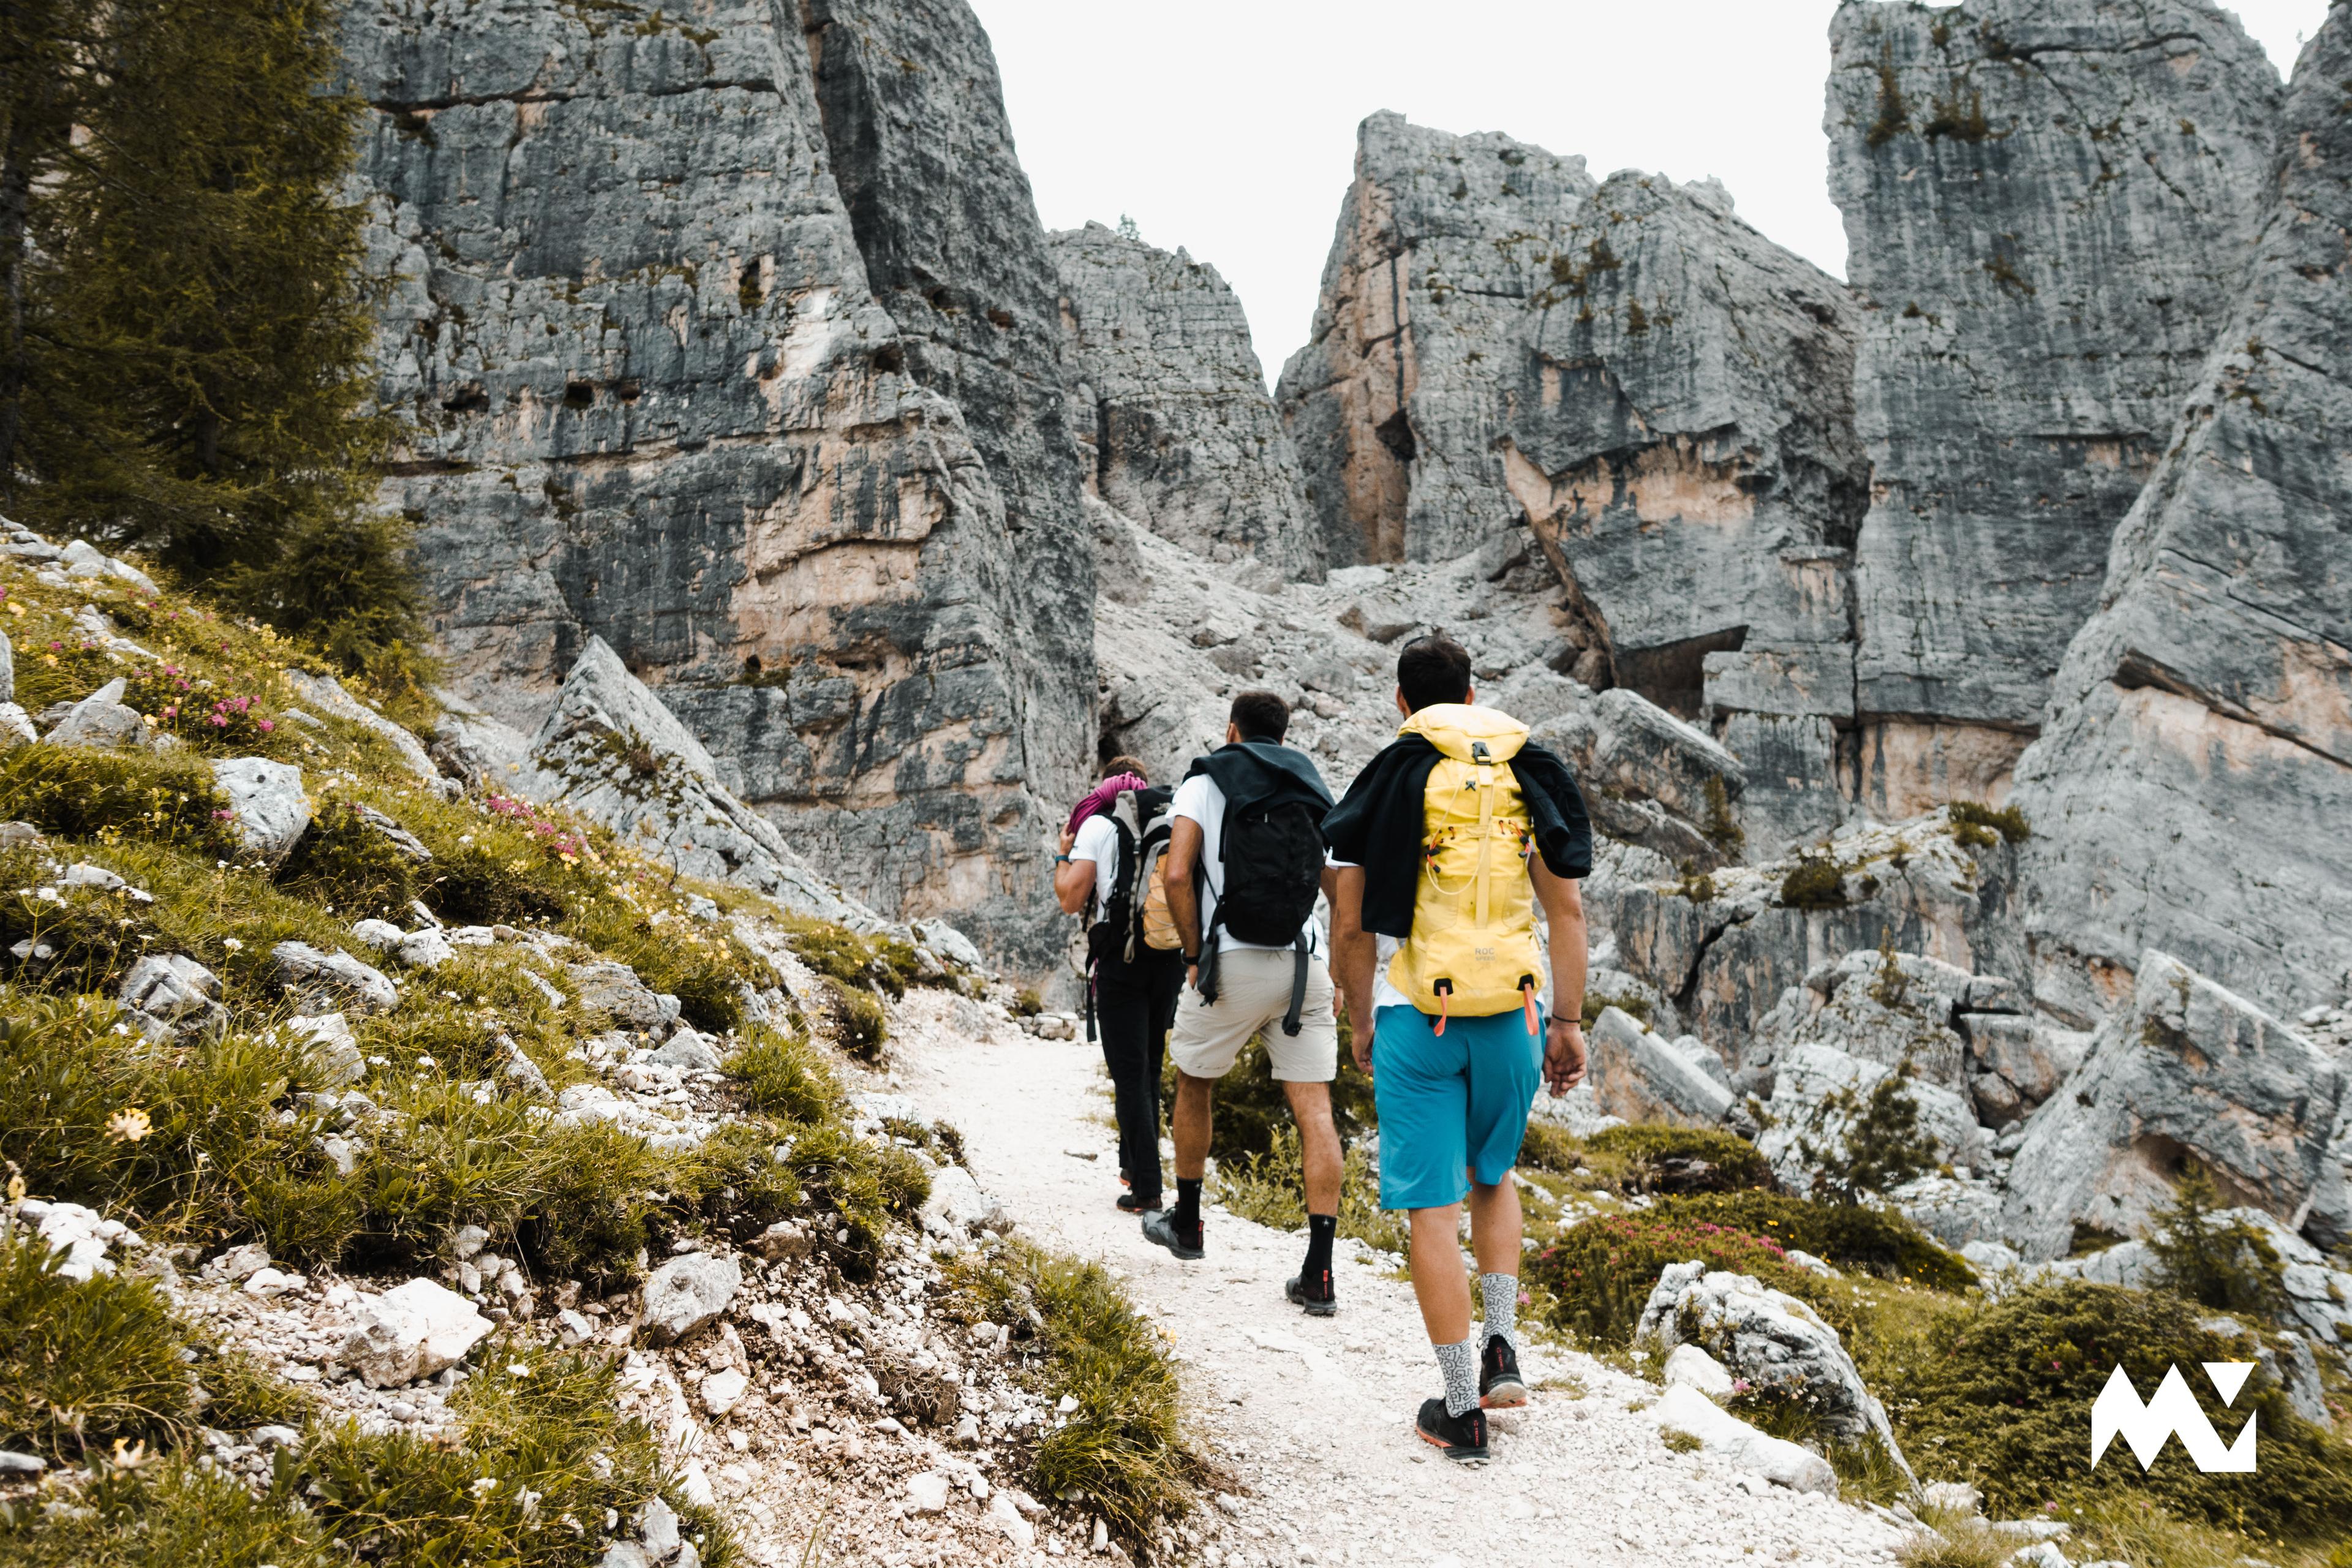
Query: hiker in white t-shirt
x,y
1131,984
1244,868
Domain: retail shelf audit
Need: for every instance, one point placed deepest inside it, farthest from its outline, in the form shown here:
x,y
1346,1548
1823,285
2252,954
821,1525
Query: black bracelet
x,y
1192,961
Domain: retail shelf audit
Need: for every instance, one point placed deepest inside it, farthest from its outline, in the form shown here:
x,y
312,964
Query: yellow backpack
x,y
1472,952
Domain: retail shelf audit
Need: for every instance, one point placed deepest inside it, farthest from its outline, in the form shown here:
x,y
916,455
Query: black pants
x,y
1135,1006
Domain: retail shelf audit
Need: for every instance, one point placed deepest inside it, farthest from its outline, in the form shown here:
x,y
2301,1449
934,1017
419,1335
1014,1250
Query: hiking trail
x,y
1311,1419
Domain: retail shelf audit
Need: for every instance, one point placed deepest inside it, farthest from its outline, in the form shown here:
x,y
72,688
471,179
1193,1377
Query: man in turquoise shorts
x,y
1447,846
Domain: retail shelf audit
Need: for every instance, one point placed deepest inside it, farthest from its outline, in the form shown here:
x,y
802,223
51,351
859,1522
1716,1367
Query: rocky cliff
x,y
2047,209
1661,390
2191,789
747,362
1170,401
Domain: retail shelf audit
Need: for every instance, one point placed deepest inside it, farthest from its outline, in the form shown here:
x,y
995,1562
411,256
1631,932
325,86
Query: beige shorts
x,y
1253,994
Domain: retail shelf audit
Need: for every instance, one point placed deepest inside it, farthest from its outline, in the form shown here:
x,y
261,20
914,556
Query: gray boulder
x,y
1771,1339
1821,1098
2193,782
2013,384
326,693
616,989
102,719
415,1330
321,981
171,986
1648,778
1171,403
687,1292
1640,1076
272,811
2187,1068
332,1050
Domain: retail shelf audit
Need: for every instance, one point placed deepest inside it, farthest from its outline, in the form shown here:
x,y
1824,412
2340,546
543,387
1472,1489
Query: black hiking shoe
x,y
1463,1436
1162,1230
1322,1301
1133,1205
1499,1387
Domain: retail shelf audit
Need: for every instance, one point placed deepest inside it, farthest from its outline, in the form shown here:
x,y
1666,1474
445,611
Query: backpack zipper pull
x,y
1444,988
1527,998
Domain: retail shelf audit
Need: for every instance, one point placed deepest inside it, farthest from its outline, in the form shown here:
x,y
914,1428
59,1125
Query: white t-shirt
x,y
1098,841
1385,995
1198,799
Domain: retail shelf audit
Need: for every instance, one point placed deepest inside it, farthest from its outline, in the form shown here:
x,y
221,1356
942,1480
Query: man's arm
x,y
1563,906
1354,951
1183,903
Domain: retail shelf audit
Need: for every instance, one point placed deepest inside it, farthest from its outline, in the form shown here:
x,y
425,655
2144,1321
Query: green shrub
x,y
78,792
854,1188
1596,1003
1880,1145
1999,1395
2229,1264
84,1364
85,939
1124,1446
1599,1274
475,885
1850,1234
1815,882
342,861
882,963
181,1513
594,1205
1248,1104
2009,822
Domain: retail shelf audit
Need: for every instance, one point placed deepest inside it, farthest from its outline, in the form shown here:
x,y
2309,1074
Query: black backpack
x,y
1273,851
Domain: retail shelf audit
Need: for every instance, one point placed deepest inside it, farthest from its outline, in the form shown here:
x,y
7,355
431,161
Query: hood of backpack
x,y
1453,727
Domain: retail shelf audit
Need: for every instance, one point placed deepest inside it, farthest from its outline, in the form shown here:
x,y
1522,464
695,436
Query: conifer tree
x,y
193,370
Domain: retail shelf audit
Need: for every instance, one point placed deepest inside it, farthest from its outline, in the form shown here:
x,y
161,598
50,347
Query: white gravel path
x,y
1312,1418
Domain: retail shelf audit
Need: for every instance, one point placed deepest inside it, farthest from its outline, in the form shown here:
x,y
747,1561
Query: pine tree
x,y
195,369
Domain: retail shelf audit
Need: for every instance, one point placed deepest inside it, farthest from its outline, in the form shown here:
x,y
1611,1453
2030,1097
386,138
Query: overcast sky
x,y
1228,126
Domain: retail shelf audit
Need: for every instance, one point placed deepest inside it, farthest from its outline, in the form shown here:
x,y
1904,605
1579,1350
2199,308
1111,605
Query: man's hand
x,y
1564,1055
1359,1043
1068,841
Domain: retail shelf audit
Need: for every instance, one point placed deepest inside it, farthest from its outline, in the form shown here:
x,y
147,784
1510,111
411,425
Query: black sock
x,y
1320,1230
1187,1213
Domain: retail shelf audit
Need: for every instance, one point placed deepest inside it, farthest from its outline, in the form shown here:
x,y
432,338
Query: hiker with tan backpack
x,y
1112,869
1445,846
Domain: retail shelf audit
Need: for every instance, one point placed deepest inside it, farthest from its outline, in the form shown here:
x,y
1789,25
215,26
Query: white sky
x,y
1228,127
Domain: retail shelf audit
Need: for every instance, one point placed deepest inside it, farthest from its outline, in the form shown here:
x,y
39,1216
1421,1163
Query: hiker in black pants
x,y
1107,870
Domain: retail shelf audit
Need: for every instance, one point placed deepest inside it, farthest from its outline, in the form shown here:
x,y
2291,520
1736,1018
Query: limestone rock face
x,y
2188,1070
2193,781
1170,403
1640,1076
651,398
2047,207
1396,404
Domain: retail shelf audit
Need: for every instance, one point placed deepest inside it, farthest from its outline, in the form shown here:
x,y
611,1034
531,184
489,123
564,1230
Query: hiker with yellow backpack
x,y
1445,846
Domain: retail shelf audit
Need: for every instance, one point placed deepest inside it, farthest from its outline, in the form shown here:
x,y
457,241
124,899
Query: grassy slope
x,y
224,1141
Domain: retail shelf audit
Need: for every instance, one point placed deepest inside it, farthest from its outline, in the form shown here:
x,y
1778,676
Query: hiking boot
x,y
1133,1205
1162,1230
1322,1301
1463,1436
1499,1387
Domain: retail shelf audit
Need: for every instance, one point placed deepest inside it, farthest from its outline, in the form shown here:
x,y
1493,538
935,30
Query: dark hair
x,y
1261,716
1123,763
1434,669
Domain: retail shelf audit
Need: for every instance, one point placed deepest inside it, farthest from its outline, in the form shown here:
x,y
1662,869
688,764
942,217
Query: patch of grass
x,y
77,792
177,1513
1721,828
1956,1543
1271,1188
881,963
84,1364
859,1024
1646,1157
1124,1448
1596,1003
1678,1441
1995,1394
343,862
1850,1234
785,1075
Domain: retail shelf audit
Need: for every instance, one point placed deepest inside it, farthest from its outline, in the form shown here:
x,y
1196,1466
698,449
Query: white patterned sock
x,y
1460,1365
1501,1295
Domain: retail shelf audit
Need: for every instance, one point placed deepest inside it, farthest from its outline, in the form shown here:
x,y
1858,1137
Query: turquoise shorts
x,y
1453,1108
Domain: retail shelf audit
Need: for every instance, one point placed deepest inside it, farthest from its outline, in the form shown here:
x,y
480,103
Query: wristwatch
x,y
1192,961
1061,859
